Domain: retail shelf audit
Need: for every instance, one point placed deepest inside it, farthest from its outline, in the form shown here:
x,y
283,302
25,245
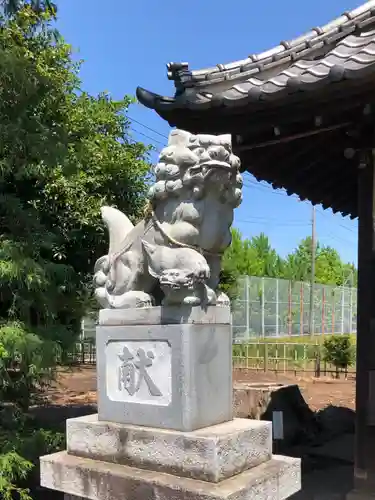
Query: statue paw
x,y
192,300
222,300
130,300
101,297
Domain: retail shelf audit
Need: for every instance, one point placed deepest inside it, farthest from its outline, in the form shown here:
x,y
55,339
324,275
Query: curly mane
x,y
186,163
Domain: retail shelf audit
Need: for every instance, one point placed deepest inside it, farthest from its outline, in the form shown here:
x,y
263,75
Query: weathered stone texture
x,y
276,479
191,367
210,454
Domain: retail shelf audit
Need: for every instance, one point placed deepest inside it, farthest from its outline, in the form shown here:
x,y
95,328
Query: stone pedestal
x,y
175,375
108,461
164,428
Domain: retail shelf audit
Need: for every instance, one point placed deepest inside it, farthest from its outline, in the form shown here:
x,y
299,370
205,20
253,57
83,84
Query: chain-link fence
x,y
271,307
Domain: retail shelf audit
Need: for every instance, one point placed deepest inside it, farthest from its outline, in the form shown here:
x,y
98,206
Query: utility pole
x,y
312,280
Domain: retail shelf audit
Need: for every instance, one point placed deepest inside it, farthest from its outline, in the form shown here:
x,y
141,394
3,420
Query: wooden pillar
x,y
364,470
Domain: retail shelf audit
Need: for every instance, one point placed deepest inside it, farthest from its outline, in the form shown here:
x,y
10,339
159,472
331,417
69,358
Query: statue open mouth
x,y
176,280
209,165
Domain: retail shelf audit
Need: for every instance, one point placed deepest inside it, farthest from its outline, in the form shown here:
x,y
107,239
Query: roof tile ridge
x,y
337,28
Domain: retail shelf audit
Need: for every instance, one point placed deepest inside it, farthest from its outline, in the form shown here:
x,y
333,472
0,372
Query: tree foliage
x,y
12,7
256,257
339,351
63,154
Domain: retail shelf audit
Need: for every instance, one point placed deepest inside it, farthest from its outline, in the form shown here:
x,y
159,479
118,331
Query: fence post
x,y
82,332
317,363
262,309
342,309
247,301
313,311
351,311
290,308
277,308
301,294
265,360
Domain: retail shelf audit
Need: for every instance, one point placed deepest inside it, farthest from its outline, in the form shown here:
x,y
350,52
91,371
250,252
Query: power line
x,y
269,189
297,221
341,225
147,136
337,238
269,221
272,191
147,127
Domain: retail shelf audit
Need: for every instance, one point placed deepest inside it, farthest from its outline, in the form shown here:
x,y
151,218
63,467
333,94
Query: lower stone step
x,y
276,479
211,454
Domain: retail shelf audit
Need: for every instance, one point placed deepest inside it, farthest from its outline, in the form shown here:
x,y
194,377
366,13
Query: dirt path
x,y
78,386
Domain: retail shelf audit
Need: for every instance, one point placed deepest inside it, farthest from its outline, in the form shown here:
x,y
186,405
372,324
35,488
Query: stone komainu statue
x,y
173,255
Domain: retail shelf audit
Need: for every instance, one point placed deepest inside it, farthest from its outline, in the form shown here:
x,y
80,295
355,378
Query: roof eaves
x,y
287,50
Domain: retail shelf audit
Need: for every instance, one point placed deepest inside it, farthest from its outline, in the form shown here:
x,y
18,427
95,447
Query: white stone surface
x,y
210,454
151,386
166,315
193,375
177,248
277,479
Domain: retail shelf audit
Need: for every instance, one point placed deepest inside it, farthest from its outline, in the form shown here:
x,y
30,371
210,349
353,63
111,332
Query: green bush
x,y
338,351
27,365
25,369
14,469
21,445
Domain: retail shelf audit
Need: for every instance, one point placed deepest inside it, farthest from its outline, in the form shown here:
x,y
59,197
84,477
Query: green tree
x,y
235,262
267,261
329,267
297,265
251,257
12,7
339,351
256,257
63,154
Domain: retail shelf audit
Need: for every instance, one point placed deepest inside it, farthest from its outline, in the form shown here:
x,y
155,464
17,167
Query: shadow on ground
x,y
332,482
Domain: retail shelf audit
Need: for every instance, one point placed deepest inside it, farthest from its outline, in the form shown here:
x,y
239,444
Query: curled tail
x,y
118,225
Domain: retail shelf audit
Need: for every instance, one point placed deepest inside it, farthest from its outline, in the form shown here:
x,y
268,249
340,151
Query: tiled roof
x,y
341,50
298,113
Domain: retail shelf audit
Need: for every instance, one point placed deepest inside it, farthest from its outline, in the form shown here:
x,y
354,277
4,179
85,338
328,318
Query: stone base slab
x,y
277,479
166,315
210,454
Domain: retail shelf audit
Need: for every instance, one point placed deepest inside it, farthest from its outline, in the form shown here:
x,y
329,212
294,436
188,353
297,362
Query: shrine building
x,y
302,117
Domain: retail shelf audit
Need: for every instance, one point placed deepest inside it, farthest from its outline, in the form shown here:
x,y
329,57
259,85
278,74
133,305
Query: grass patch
x,y
301,339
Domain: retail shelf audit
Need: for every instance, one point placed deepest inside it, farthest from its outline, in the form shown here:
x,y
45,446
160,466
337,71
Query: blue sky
x,y
125,44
